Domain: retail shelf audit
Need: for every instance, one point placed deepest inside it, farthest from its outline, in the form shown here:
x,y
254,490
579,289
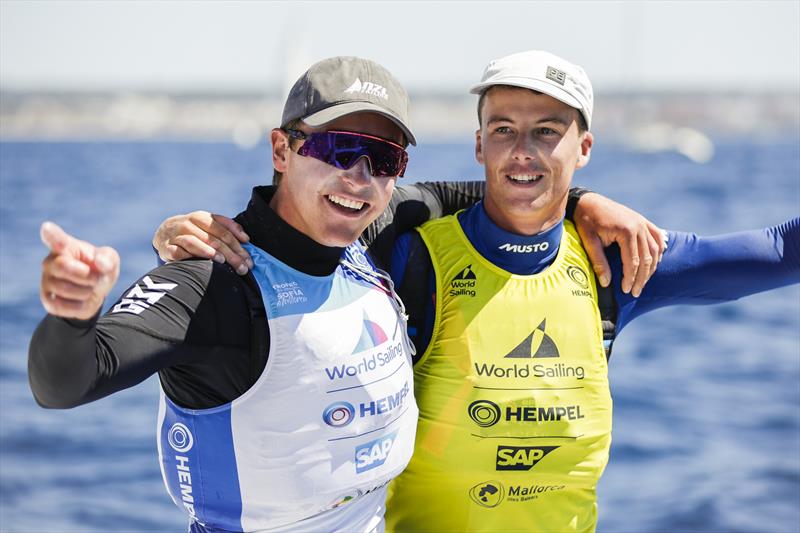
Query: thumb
x,y
597,256
106,260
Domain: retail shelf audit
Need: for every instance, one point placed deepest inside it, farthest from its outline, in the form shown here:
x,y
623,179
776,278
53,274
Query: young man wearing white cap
x,y
511,367
286,397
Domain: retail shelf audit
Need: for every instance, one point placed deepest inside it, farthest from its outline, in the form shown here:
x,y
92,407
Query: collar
x,y
275,236
518,254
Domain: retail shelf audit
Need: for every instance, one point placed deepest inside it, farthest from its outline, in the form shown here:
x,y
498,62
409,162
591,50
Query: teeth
x,y
525,177
352,204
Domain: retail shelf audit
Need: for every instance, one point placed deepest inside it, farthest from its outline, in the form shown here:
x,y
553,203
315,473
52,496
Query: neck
x,y
275,236
527,224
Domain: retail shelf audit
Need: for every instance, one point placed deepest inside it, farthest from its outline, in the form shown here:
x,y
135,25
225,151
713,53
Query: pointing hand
x,y
76,275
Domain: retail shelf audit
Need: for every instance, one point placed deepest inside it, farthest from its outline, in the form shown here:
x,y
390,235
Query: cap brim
x,y
320,118
549,89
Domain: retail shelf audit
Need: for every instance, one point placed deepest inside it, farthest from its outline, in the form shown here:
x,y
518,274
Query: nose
x,y
524,148
360,173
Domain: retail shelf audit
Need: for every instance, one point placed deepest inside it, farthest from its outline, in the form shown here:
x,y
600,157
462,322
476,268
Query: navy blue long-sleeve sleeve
x,y
706,270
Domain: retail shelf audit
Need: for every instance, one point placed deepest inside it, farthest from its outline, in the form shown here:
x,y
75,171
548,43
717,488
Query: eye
x,y
547,132
502,130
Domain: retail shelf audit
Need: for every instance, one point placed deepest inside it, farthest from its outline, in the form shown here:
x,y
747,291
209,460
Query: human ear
x,y
478,147
280,150
586,150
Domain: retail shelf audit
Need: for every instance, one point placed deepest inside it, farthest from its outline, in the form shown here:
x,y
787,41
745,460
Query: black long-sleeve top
x,y
198,335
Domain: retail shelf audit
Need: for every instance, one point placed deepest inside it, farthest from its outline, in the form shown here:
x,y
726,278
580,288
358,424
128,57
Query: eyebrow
x,y
551,119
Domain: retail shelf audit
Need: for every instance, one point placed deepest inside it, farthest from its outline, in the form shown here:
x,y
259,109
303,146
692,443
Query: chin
x,y
339,239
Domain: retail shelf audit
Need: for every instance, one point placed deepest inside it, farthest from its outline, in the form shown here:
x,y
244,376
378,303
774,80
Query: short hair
x,y
582,127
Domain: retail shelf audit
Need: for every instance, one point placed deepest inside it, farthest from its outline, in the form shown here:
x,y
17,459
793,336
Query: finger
x,y
239,263
56,287
106,260
655,252
597,256
231,234
646,262
629,249
660,237
55,238
65,307
176,253
193,246
70,269
212,248
231,225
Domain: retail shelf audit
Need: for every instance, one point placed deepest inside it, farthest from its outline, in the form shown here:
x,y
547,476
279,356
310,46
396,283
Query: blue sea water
x,y
707,399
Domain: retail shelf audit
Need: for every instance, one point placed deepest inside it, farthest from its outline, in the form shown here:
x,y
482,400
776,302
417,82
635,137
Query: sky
x,y
430,46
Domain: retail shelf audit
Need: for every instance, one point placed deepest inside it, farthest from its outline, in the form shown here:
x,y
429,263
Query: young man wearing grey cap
x,y
511,367
287,395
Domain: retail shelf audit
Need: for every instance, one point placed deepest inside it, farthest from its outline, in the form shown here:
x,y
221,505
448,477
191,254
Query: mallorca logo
x,y
484,413
367,87
463,283
520,457
372,335
137,300
545,347
487,494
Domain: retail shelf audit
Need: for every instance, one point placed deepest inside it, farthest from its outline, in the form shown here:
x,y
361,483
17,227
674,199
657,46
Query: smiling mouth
x,y
524,178
346,205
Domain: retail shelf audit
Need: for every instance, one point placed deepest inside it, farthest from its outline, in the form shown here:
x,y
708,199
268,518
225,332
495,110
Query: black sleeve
x,y
413,205
418,292
189,321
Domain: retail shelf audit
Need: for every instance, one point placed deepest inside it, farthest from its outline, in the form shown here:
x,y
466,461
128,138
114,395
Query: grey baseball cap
x,y
342,85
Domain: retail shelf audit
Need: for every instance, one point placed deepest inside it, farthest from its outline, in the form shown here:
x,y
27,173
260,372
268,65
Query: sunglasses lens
x,y
344,149
388,162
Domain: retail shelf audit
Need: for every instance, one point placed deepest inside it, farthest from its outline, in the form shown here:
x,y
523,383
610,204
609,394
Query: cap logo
x,y
558,76
367,87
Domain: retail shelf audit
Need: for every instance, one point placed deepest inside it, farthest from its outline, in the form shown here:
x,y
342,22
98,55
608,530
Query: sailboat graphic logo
x,y
536,345
371,335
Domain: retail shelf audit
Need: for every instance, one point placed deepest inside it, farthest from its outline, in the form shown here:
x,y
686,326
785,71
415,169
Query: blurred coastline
x,y
243,118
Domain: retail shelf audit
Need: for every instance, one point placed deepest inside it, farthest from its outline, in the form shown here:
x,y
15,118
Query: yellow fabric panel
x,y
515,409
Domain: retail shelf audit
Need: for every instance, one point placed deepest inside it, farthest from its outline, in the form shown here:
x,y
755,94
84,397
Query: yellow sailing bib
x,y
515,410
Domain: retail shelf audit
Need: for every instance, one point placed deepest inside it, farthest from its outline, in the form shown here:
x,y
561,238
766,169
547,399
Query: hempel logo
x,y
181,440
367,87
339,414
138,299
486,413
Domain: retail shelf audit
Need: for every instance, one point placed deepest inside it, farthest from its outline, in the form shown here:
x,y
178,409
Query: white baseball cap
x,y
542,72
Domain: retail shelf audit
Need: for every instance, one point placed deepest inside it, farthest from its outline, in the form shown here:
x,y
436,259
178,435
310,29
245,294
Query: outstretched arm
x,y
706,270
76,357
